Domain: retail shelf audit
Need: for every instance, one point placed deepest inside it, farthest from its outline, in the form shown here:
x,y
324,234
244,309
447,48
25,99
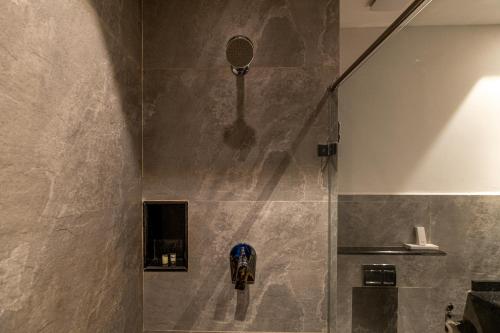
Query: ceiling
x,y
459,12
359,14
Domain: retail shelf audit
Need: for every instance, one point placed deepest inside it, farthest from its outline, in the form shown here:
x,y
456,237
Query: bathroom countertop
x,y
482,310
491,297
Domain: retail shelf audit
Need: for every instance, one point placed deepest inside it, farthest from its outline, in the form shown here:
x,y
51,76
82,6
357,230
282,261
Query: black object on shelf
x,y
165,230
386,250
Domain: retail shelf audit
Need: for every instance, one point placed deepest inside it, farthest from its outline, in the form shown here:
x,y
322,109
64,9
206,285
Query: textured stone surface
x,y
418,312
197,147
243,153
382,220
374,309
193,34
412,272
70,166
291,270
465,227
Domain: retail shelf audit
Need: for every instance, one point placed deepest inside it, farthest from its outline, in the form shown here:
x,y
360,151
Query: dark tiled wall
x,y
466,227
243,154
70,157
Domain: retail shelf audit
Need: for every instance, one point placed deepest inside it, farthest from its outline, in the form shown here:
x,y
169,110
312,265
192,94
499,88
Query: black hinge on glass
x,y
329,149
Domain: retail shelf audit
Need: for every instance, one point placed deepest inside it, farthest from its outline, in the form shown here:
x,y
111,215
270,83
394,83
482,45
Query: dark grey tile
x,y
290,270
181,34
412,272
199,143
466,227
243,152
375,309
463,226
70,236
418,311
121,21
381,220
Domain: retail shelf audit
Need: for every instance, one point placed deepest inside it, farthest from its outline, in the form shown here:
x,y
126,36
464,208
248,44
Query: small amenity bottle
x,y
172,259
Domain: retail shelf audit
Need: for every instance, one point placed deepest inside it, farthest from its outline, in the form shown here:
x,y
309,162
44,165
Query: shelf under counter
x,y
386,250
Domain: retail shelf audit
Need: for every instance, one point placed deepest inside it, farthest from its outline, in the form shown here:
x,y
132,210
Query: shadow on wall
x,y
120,23
240,136
237,160
218,271
242,302
70,169
121,28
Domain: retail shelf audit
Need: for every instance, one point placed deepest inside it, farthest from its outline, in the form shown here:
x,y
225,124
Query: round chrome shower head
x,y
239,53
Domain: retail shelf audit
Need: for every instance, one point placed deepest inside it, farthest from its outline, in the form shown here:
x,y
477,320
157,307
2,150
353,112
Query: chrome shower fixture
x,y
239,53
242,261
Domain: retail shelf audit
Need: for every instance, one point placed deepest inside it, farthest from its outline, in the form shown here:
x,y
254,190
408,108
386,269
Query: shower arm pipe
x,y
413,9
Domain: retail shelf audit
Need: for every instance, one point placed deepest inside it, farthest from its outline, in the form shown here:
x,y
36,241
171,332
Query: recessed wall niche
x,y
165,235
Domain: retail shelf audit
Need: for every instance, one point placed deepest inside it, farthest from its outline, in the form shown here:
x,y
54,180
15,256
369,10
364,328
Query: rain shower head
x,y
239,53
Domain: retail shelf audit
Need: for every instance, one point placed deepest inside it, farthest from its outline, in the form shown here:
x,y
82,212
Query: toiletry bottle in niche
x,y
164,253
173,256
164,259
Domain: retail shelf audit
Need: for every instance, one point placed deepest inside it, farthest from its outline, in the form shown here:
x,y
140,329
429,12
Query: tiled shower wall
x,y
70,157
242,152
464,226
